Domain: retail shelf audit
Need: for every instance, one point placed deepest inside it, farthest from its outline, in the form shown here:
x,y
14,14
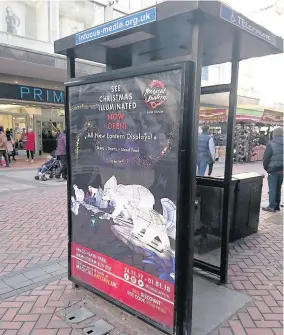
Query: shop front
x,y
23,107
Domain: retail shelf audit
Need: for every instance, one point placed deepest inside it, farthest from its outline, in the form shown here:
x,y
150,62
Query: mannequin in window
x,y
12,20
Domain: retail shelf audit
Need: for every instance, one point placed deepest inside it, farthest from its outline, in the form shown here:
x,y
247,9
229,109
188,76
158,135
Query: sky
x,y
267,73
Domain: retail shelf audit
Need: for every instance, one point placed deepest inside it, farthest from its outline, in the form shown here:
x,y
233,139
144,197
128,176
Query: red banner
x,y
134,288
213,115
272,117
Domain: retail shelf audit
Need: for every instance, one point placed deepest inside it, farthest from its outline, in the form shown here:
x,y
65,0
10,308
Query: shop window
x,y
135,5
125,3
117,14
25,18
81,16
204,73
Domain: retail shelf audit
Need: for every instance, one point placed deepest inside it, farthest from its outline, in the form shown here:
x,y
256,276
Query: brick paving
x,y
40,236
22,164
256,269
33,227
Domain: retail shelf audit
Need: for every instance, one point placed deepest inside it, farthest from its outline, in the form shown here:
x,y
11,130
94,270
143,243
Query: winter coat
x,y
30,141
3,141
203,151
10,144
61,145
273,155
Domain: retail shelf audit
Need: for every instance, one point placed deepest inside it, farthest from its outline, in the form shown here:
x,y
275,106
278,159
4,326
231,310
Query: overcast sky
x,y
267,72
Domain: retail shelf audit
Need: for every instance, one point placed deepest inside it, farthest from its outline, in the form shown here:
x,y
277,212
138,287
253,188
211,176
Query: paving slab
x,y
35,236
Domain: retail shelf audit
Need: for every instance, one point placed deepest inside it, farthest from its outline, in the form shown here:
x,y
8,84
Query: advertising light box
x,y
124,175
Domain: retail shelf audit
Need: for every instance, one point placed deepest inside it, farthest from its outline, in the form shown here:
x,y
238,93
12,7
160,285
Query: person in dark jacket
x,y
61,153
205,151
273,164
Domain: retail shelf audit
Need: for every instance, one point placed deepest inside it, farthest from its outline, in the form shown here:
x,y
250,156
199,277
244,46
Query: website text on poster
x,y
124,171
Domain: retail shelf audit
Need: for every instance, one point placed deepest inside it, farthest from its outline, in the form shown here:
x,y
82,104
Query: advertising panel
x,y
124,176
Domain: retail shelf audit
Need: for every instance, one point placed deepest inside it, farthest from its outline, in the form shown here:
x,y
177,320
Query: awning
x,y
213,115
272,117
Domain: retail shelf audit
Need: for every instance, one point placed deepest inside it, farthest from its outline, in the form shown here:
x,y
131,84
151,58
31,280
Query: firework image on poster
x,y
124,152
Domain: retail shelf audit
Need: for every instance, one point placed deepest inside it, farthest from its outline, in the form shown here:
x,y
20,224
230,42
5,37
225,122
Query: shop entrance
x,y
47,129
18,123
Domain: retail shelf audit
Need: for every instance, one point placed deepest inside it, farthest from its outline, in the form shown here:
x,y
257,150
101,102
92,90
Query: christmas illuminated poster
x,y
124,144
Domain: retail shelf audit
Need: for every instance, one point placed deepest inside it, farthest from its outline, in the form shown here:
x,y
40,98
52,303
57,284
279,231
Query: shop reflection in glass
x,y
124,174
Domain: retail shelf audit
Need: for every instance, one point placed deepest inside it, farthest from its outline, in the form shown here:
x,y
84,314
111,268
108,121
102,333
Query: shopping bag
x,y
3,162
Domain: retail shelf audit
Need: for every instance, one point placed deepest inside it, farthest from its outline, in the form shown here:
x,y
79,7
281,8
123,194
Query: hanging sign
x,y
124,189
235,18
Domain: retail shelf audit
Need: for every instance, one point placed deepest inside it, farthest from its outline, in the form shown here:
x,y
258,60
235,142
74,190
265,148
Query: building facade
x,y
31,75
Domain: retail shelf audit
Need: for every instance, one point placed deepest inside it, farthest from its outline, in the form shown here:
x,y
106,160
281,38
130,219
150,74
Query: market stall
x,y
251,132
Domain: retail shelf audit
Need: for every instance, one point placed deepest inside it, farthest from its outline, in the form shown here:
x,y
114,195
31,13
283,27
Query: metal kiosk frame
x,y
173,32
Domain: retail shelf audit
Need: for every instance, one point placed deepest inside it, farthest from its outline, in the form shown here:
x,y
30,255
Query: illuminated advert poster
x,y
124,141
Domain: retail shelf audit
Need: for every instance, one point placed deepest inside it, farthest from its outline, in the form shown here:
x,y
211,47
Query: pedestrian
x,y
205,150
61,153
3,146
273,164
23,139
10,146
30,145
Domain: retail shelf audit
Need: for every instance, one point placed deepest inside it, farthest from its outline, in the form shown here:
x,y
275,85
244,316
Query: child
x,y
48,165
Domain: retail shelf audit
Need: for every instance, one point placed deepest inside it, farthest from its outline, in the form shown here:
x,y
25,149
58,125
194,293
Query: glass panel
x,y
135,5
117,14
25,18
208,224
125,3
82,15
49,135
39,136
129,147
19,109
213,115
6,121
211,150
216,74
19,127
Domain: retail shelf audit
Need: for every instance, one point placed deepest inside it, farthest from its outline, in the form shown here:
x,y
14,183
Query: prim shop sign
x,y
38,94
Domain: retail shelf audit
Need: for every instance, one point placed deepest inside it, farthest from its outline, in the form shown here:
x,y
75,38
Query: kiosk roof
x,y
165,31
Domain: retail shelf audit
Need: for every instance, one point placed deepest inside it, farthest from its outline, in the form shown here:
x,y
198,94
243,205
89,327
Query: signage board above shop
x,y
30,93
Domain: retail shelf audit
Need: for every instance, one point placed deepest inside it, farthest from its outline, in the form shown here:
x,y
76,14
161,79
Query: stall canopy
x,y
272,117
165,31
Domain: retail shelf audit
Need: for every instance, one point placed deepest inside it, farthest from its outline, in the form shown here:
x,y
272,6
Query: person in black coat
x,y
273,164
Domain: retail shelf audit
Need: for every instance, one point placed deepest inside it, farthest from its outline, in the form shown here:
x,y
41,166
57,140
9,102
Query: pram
x,y
50,167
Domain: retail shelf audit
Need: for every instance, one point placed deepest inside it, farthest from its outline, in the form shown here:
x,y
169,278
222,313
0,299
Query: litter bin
x,y
244,207
245,218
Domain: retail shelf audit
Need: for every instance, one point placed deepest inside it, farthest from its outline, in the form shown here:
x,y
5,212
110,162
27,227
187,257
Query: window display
x,y
25,18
